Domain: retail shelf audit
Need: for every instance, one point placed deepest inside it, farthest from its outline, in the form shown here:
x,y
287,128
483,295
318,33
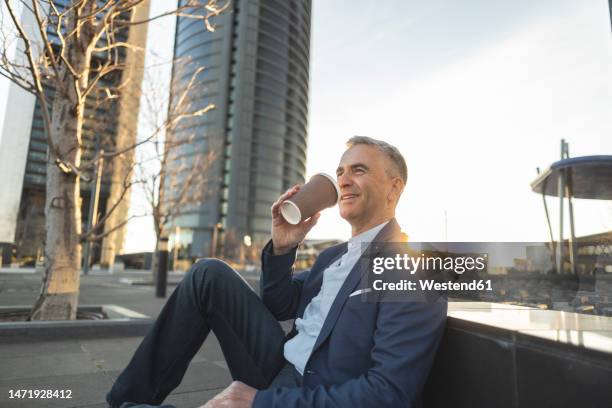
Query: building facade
x,y
16,111
108,125
256,74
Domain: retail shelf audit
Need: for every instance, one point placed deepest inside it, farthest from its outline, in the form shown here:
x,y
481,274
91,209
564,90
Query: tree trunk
x,y
59,293
58,298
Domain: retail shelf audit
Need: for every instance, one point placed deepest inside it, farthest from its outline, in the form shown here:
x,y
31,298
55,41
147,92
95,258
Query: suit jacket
x,y
368,354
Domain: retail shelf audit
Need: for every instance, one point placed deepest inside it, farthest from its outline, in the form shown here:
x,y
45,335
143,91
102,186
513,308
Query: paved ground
x,y
88,367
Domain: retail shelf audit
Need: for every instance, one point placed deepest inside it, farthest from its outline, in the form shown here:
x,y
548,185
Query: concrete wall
x,y
495,355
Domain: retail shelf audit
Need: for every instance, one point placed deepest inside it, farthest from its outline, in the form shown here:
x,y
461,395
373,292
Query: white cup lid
x,y
291,212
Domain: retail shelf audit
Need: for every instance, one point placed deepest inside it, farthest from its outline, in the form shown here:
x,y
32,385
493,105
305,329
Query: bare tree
x,y
172,184
73,50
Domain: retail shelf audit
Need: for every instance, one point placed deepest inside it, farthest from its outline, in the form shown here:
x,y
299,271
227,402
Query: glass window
x,y
275,28
279,43
38,146
273,168
271,56
187,220
269,111
268,124
263,209
273,13
267,153
35,168
271,69
260,224
196,46
38,156
269,181
276,141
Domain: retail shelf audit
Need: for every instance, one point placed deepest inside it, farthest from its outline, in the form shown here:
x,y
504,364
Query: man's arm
x,y
280,291
405,341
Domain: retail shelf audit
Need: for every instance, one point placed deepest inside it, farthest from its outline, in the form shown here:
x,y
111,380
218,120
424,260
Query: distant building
x,y
16,110
594,253
310,249
610,4
109,125
256,73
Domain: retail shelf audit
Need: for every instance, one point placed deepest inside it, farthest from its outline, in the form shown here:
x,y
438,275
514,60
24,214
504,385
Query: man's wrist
x,y
281,251
277,250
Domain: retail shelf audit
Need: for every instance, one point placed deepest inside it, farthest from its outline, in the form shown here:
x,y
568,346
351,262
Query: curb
x,y
121,322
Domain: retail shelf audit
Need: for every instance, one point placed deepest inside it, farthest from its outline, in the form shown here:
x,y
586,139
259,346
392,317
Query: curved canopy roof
x,y
591,177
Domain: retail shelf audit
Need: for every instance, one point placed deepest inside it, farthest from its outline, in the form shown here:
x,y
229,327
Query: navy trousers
x,y
212,296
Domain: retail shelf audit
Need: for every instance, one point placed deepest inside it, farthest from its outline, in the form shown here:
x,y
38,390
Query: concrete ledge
x,y
121,322
172,281
496,355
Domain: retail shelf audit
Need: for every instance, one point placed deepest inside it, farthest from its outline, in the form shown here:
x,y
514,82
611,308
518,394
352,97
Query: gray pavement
x,y
88,367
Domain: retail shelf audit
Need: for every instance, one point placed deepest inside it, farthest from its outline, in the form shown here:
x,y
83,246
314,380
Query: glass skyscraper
x,y
256,74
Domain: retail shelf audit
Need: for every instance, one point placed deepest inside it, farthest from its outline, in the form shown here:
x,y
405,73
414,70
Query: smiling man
x,y
342,351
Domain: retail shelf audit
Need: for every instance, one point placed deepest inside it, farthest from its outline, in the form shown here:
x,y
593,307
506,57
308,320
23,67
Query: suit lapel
x,y
392,229
313,285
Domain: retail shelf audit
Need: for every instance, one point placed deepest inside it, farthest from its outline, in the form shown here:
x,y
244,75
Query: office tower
x,y
16,110
256,74
109,125
610,5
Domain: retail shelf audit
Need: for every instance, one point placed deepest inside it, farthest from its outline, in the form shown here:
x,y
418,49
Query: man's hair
x,y
385,148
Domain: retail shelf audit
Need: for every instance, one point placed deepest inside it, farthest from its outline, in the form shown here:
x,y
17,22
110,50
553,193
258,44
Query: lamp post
x,y
162,268
94,198
176,243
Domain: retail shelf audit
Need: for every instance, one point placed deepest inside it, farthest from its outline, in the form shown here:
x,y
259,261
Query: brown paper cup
x,y
319,193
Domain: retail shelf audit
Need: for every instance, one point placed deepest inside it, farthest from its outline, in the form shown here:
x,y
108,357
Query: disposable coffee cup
x,y
319,193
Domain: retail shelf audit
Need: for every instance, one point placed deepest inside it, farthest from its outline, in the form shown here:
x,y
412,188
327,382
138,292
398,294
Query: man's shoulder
x,y
331,251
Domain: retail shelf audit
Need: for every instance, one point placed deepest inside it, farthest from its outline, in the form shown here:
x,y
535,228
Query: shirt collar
x,y
366,236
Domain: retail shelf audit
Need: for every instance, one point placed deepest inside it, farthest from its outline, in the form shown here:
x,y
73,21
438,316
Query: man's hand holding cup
x,y
298,210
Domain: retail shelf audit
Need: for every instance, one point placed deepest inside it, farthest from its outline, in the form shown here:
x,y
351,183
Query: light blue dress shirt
x,y
297,350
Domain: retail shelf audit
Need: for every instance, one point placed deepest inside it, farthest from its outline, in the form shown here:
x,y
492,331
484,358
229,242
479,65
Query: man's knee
x,y
210,269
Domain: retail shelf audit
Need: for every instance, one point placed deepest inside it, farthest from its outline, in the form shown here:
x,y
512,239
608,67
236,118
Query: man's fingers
x,y
311,222
291,191
286,195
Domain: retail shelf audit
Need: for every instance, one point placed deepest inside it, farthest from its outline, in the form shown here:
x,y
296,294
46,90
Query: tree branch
x,y
109,231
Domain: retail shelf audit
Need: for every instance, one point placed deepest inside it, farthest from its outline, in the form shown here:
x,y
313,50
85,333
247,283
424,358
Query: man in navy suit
x,y
343,351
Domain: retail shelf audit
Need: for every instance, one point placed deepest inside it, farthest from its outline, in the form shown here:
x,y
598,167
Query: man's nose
x,y
344,180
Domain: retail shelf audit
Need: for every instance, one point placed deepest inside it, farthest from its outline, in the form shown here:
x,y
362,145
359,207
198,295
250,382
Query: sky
x,y
476,94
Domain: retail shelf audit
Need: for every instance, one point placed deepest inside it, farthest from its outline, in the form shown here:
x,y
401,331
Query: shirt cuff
x,y
269,261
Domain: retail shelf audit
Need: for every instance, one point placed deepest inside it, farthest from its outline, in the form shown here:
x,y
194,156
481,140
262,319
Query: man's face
x,y
364,183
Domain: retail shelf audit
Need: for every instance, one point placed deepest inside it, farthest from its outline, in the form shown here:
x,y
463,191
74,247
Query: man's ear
x,y
397,187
